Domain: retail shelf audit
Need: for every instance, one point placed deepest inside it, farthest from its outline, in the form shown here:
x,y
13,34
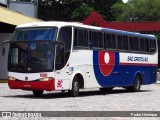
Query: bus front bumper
x,y
32,85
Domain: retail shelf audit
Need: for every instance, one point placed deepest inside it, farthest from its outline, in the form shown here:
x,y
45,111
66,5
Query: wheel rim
x,y
76,87
138,84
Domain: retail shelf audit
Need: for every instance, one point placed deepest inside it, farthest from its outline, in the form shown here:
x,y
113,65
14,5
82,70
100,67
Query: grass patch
x,y
3,81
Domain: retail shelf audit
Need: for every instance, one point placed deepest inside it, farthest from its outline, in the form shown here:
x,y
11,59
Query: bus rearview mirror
x,y
3,48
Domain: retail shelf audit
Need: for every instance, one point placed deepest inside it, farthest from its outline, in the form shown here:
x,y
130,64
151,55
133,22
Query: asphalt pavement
x,y
148,99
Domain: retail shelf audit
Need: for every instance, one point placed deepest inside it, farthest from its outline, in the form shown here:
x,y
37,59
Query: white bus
x,y
72,56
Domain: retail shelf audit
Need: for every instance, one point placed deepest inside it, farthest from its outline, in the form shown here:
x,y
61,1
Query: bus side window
x,y
94,39
89,39
59,57
108,41
120,42
86,37
134,43
75,37
81,38
125,42
131,43
100,40
152,44
113,41
65,35
144,45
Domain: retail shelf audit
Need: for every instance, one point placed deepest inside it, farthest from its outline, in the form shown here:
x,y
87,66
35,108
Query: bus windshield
x,y
29,57
35,34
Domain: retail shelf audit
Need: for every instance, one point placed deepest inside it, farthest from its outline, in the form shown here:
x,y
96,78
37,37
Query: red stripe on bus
x,y
32,85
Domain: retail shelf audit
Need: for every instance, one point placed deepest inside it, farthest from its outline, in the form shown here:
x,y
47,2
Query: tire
x,y
38,93
106,90
137,85
75,87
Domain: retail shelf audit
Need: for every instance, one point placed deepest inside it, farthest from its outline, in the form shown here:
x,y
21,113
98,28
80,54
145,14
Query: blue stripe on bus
x,y
122,75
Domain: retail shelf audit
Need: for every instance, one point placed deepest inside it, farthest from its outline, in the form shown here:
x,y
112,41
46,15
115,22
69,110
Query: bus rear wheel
x,y
75,87
137,85
38,93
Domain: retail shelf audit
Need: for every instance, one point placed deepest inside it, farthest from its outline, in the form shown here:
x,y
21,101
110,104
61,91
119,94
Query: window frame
x,y
129,48
146,39
114,41
123,40
98,39
150,46
112,34
76,39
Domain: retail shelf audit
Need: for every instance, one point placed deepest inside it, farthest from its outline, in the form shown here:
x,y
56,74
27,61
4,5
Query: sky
x,y
124,1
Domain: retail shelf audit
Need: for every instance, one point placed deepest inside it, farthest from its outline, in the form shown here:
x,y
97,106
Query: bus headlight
x,y
45,79
11,78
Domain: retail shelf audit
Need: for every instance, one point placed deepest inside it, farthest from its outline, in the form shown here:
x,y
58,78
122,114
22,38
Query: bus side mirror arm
x,y
3,48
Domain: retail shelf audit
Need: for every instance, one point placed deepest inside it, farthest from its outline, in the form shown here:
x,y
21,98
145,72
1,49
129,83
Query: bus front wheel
x,y
75,87
38,93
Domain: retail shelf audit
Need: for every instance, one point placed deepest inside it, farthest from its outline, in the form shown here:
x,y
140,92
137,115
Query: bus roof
x,y
77,24
57,24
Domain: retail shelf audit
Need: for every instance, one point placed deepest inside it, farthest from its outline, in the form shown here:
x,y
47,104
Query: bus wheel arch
x,y
77,83
80,80
140,76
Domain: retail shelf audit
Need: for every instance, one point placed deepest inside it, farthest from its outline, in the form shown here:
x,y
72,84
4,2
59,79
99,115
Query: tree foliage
x,y
81,12
137,10
75,10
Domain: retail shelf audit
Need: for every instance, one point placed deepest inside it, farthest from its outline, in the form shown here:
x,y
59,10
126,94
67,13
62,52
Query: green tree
x,y
75,10
81,13
57,9
103,7
137,10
